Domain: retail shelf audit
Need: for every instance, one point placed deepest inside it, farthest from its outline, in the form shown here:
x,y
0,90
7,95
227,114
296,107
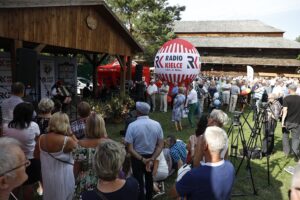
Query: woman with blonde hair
x,y
45,107
95,132
56,158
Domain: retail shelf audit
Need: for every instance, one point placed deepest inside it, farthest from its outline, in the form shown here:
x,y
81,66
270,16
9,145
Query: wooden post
x,y
95,62
95,80
121,60
128,64
13,57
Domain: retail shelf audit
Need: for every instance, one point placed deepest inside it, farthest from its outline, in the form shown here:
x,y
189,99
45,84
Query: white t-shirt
x,y
25,136
162,164
152,89
192,97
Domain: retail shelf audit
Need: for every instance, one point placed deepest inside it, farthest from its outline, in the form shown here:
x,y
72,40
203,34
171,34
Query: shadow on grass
x,y
279,179
243,188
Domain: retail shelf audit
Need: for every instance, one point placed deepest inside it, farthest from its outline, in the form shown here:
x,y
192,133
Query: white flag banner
x,y
250,73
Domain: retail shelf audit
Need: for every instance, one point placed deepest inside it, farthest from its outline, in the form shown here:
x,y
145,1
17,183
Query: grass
x,y
279,179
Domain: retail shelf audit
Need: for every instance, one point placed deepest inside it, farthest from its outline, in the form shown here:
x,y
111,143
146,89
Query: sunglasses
x,y
26,164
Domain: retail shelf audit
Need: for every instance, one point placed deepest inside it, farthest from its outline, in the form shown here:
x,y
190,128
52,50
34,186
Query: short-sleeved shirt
x,y
178,151
8,106
292,103
208,181
175,90
43,124
162,165
152,89
25,136
78,128
235,90
192,97
144,134
129,191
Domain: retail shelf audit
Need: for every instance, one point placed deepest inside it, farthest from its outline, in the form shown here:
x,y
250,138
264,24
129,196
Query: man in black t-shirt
x,y
291,121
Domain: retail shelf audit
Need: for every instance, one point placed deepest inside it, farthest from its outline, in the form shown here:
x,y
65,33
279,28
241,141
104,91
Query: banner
x,y
47,77
5,76
250,73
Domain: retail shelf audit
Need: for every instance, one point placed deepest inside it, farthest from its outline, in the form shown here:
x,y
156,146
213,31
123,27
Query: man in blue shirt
x,y
214,178
144,138
177,151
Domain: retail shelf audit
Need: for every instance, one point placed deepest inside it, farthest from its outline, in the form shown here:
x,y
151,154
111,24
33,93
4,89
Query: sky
x,y
281,14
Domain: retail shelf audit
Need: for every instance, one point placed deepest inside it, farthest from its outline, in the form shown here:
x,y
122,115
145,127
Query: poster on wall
x,y
5,76
67,73
47,77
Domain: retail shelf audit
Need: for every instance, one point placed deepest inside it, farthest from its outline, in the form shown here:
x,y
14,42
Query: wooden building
x,y
232,45
87,27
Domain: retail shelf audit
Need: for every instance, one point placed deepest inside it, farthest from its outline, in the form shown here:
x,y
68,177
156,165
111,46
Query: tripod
x,y
236,124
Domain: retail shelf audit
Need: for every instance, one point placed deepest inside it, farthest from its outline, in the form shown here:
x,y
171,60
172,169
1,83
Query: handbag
x,y
36,152
63,161
100,195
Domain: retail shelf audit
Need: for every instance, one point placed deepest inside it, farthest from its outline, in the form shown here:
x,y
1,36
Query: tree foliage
x,y
149,21
298,40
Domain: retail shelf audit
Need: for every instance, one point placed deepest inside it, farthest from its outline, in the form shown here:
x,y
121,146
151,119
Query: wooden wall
x,y
66,27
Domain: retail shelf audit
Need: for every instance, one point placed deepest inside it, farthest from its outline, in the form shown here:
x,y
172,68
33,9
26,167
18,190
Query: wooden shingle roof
x,y
224,26
250,61
242,42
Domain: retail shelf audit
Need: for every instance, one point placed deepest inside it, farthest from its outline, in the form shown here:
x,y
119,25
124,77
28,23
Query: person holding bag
x,y
56,159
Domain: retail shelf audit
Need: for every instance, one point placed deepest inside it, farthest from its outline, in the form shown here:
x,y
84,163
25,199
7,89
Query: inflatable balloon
x,y
177,61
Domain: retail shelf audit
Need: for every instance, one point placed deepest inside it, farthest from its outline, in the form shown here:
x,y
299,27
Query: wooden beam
x,y
103,57
88,57
122,63
39,48
15,44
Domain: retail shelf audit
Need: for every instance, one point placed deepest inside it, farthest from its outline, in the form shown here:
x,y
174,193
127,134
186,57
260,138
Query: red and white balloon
x,y
177,61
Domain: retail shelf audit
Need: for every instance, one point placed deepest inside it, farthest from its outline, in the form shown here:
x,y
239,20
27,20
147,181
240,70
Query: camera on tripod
x,y
264,105
236,118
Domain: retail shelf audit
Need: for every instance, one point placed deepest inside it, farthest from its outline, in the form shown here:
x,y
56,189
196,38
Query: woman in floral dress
x,y
178,108
95,132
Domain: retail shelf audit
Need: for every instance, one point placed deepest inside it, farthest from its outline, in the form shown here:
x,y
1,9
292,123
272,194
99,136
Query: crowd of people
x,y
43,151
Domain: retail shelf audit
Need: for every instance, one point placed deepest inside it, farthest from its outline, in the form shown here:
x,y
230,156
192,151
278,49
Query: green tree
x,y
298,40
149,21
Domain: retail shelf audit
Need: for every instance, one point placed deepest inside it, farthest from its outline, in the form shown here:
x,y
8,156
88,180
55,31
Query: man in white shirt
x,y
8,105
191,103
226,86
151,91
163,93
